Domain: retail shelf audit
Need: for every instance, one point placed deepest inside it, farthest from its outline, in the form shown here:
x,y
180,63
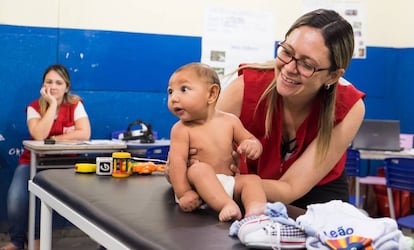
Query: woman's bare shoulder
x,y
231,98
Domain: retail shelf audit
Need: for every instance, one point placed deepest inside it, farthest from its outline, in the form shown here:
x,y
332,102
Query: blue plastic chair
x,y
399,174
352,168
158,152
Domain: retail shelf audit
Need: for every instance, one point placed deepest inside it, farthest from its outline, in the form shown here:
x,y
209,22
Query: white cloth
x,y
336,220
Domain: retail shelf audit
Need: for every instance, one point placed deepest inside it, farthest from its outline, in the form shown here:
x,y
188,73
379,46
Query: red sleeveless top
x,y
65,119
271,165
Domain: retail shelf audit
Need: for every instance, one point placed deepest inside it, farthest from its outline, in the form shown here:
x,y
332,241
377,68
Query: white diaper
x,y
228,183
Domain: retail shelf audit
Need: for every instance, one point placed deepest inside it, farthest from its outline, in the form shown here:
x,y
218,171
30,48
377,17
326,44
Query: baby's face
x,y
187,95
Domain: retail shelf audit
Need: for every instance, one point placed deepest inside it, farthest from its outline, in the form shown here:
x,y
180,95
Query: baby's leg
x,y
203,177
249,189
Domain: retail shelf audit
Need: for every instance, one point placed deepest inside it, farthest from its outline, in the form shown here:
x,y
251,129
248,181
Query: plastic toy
x,y
85,168
104,165
121,164
147,167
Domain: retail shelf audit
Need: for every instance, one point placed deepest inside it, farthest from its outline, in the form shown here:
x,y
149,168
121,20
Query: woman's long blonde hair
x,y
68,97
339,39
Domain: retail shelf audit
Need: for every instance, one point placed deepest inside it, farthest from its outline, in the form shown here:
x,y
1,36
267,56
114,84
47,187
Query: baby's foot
x,y
255,208
230,212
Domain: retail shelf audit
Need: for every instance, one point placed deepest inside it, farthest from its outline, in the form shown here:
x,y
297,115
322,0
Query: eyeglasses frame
x,y
296,61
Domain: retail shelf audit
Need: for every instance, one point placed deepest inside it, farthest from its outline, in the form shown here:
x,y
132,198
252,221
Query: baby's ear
x,y
214,91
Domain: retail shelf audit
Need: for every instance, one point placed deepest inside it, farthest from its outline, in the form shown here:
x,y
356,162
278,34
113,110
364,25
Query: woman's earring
x,y
327,86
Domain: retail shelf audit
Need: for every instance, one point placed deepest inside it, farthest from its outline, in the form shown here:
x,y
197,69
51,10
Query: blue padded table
x,y
137,212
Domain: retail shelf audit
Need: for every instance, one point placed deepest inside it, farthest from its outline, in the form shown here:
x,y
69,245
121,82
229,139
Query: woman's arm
x,y
81,132
304,173
39,127
231,98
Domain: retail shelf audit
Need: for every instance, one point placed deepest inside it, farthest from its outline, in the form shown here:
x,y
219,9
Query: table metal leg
x,y
357,192
46,227
32,204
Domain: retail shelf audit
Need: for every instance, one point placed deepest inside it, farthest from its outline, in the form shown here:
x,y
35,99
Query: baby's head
x,y
202,70
192,89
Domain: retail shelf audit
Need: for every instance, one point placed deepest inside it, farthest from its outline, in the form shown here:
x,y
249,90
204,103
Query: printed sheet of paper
x,y
234,36
353,11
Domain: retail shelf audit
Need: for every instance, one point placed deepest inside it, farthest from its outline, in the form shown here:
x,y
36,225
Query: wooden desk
x,y
38,147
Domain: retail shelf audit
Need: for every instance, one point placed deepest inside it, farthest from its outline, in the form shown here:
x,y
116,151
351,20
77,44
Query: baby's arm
x,y
248,144
189,200
251,147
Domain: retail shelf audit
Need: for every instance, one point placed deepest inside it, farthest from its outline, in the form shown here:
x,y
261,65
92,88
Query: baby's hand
x,y
190,201
252,148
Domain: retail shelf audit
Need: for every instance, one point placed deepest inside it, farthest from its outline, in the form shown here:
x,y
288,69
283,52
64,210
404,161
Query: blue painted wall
x,y
123,76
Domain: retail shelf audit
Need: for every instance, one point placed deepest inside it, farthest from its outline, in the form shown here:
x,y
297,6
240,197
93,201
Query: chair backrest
x,y
158,152
399,173
352,164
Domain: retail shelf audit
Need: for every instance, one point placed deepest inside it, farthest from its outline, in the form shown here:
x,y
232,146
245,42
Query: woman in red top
x,y
301,110
57,114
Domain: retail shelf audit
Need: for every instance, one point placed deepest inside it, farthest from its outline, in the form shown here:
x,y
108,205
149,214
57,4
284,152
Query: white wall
x,y
389,22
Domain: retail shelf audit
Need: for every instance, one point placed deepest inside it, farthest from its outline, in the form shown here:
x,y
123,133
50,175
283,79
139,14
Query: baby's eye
x,y
169,91
184,89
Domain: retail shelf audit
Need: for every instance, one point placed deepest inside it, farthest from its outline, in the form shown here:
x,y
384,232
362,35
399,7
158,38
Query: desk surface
x,y
81,145
381,155
96,144
138,210
156,143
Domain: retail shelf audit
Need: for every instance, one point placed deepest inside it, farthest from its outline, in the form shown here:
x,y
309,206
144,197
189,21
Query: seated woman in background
x,y
57,115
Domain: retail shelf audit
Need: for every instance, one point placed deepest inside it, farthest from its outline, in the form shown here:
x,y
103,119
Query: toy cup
x,y
121,164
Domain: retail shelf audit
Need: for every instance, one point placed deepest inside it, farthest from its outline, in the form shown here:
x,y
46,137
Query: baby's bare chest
x,y
213,146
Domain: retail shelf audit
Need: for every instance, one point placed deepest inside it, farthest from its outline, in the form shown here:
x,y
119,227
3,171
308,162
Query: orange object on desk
x,y
147,167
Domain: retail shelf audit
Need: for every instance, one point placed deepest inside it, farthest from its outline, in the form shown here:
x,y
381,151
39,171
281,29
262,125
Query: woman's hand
x,y
234,167
45,93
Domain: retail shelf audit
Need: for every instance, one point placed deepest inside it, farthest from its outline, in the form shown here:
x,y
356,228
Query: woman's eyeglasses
x,y
304,68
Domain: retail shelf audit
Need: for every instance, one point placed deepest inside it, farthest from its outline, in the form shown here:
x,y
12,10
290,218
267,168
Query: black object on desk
x,y
49,141
139,211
